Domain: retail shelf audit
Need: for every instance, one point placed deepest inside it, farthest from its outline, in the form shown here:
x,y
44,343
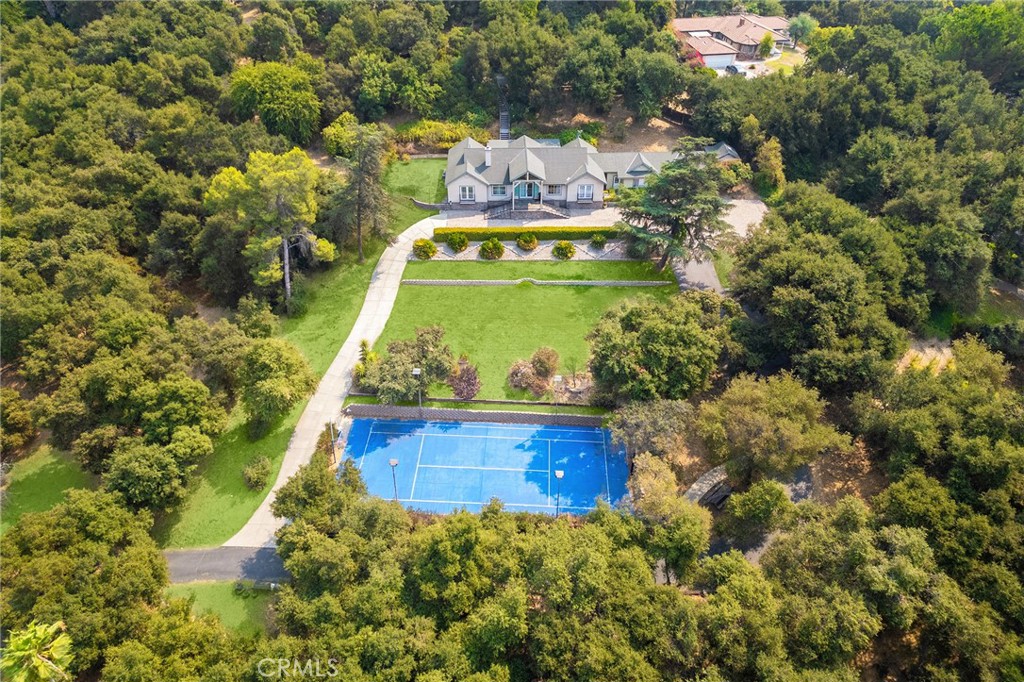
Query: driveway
x,y
326,403
261,564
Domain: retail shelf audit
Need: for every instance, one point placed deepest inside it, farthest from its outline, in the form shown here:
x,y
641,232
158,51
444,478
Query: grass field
x,y
497,326
787,62
246,614
998,306
575,270
39,481
724,263
218,502
419,178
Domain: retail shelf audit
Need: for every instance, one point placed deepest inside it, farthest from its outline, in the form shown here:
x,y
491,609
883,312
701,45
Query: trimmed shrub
x,y
492,249
522,376
257,473
564,250
527,241
505,234
544,362
598,241
465,381
424,249
457,242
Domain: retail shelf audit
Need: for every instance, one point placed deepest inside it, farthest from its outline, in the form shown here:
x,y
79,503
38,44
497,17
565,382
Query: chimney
x,y
487,156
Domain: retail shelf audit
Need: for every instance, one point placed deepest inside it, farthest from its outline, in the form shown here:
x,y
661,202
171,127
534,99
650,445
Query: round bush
x,y
544,362
598,241
457,242
492,249
257,473
424,249
521,375
564,250
527,241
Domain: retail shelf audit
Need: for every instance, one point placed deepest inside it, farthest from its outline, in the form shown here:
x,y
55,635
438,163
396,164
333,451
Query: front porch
x,y
596,216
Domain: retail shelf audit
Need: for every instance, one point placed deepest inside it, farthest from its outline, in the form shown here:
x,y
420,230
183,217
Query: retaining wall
x,y
456,414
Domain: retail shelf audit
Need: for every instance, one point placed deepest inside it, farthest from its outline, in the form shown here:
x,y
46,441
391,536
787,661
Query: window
x,y
467,193
498,190
553,190
585,192
640,182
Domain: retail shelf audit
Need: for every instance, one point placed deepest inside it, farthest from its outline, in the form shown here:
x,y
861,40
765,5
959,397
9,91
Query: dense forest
x,y
154,164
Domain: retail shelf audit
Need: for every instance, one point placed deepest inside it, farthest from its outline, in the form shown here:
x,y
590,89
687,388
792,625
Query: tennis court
x,y
445,466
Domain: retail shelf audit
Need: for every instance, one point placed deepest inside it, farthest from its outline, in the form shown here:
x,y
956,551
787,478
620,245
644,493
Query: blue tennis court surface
x,y
445,466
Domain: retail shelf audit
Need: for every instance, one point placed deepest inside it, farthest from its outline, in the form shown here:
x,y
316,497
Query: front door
x,y
526,190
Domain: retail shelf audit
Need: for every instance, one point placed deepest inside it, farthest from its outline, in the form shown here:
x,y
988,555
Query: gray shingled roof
x,y
513,159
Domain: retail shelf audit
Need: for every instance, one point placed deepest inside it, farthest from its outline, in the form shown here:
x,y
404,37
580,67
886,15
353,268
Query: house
x,y
707,37
525,171
724,153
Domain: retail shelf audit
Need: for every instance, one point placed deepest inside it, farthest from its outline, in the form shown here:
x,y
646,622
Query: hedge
x,y
508,234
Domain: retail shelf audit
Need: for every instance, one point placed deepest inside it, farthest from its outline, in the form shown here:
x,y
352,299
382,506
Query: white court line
x,y
365,448
416,471
607,479
503,502
488,437
514,427
549,473
468,468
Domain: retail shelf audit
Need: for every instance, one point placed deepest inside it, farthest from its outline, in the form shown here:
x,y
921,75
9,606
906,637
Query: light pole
x,y
556,382
417,373
394,478
559,475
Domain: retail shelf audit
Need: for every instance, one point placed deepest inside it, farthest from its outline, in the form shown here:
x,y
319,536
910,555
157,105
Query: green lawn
x,y
724,263
786,63
244,613
218,502
630,270
419,178
39,481
997,307
497,326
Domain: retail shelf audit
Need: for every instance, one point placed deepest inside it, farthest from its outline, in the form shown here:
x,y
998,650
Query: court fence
x,y
462,415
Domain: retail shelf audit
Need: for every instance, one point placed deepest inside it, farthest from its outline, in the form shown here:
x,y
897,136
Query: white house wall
x,y
481,190
573,187
719,61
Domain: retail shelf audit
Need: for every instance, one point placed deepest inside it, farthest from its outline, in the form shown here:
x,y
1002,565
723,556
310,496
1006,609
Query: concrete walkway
x,y
326,403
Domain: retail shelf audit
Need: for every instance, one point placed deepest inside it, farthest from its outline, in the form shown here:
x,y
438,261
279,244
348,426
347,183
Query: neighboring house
x,y
724,153
708,50
573,175
708,37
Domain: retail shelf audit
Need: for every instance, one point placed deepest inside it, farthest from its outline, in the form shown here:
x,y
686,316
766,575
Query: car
x,y
731,70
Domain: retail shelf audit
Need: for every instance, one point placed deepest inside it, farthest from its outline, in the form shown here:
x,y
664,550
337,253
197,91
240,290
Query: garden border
x,y
542,232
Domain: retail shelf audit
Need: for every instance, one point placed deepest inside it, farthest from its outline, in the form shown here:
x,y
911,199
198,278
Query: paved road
x,y
326,403
226,563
